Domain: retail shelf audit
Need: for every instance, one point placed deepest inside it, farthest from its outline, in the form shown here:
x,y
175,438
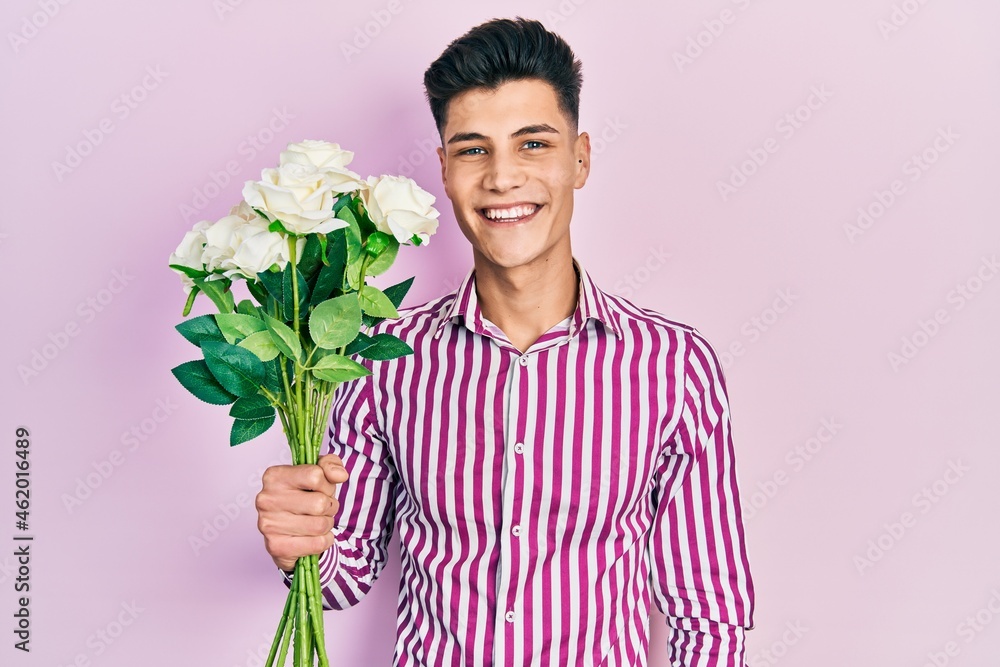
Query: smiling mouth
x,y
510,215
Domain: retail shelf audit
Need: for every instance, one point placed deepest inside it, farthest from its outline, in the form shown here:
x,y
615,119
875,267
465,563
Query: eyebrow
x,y
527,129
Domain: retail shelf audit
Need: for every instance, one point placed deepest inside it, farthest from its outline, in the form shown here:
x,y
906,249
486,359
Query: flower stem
x,y
324,661
301,625
292,599
281,630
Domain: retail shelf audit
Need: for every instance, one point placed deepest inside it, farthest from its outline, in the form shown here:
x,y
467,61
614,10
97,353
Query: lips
x,y
509,213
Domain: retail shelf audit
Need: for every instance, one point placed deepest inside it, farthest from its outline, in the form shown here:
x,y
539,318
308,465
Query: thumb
x,y
334,469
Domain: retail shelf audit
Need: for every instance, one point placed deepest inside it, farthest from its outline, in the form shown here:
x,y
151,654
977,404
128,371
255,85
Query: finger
x,y
287,549
285,524
296,501
308,477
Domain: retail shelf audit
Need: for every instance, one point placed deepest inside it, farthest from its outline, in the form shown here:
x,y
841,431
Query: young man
x,y
553,457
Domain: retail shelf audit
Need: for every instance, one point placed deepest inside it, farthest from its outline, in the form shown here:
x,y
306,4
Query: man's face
x,y
510,164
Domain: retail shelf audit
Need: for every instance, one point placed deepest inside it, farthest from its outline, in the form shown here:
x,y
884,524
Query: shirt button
x,y
509,616
524,360
519,447
516,530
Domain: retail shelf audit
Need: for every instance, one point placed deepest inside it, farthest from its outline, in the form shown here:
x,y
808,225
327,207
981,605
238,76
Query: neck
x,y
526,301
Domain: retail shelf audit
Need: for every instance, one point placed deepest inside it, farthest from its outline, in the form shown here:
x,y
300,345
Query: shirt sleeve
x,y
365,520
700,573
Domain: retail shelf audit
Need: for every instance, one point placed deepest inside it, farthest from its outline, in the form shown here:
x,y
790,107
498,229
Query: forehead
x,y
514,103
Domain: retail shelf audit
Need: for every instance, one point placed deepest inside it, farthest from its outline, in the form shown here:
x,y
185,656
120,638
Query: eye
x,y
466,151
533,141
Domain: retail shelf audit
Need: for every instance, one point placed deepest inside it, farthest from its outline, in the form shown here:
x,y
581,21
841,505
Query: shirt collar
x,y
592,304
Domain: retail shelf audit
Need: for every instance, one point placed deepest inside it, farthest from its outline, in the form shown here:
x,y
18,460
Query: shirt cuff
x,y
703,642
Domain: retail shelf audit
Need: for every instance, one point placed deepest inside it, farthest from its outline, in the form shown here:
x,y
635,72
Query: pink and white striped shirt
x,y
543,499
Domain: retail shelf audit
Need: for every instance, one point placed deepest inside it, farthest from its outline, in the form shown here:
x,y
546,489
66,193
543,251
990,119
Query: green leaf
x,y
278,226
375,303
236,326
342,201
196,378
361,342
288,301
335,368
398,291
257,291
386,346
261,344
352,234
252,407
218,291
312,255
190,300
365,223
335,322
248,429
395,293
199,329
331,277
284,337
188,271
322,248
238,370
384,260
272,380
246,307
273,283
353,273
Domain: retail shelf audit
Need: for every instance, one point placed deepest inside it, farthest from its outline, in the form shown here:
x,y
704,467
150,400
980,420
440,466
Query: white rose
x,y
398,206
189,252
258,250
328,158
221,240
320,154
299,195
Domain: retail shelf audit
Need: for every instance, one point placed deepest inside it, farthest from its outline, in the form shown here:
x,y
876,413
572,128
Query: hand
x,y
296,506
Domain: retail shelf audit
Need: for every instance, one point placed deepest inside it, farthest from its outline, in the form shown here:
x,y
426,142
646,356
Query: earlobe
x,y
583,150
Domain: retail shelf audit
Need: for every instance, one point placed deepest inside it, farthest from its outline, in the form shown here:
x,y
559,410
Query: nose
x,y
503,172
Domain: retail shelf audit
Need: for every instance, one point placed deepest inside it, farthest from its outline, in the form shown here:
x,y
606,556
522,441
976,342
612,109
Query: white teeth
x,y
509,213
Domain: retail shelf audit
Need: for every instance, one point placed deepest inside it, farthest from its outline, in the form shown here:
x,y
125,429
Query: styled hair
x,y
502,50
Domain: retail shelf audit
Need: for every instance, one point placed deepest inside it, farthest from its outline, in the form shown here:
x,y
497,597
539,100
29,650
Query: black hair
x,y
499,51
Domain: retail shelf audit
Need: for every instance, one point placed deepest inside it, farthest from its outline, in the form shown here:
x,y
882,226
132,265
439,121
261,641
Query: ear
x,y
444,170
582,154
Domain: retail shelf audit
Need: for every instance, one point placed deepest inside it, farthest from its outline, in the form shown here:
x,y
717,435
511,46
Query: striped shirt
x,y
543,499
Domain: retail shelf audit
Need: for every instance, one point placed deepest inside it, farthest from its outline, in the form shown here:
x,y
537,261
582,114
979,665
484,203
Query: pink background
x,y
843,546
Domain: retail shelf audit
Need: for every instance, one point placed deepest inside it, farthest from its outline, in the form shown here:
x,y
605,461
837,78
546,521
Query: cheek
x,y
458,186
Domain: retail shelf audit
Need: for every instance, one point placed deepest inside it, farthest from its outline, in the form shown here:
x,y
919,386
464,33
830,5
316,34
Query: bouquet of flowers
x,y
304,240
